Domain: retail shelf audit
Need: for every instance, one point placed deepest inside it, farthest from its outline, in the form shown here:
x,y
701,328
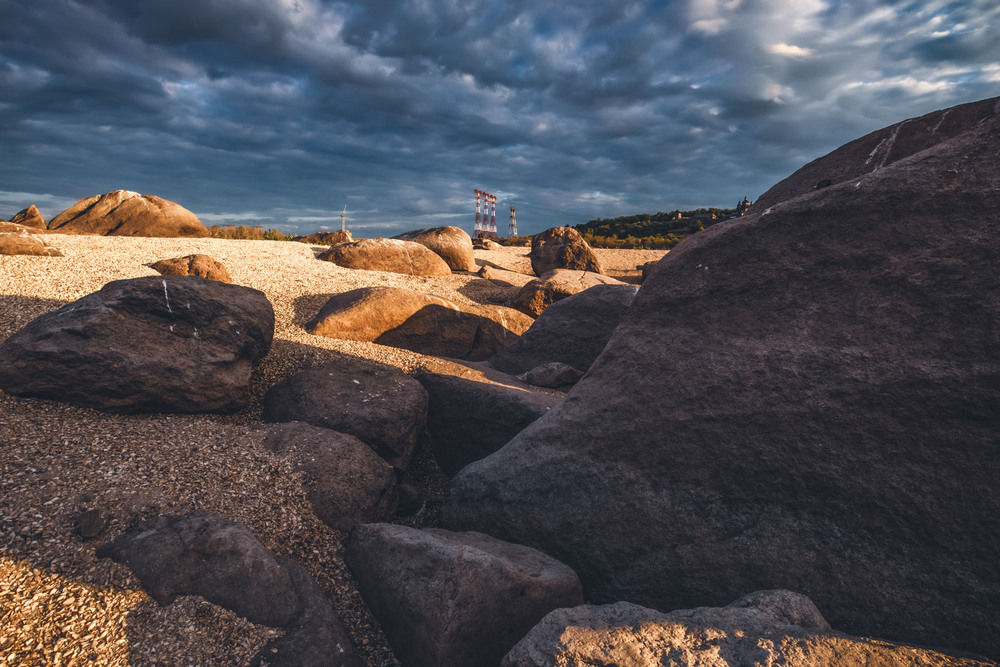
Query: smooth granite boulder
x,y
126,213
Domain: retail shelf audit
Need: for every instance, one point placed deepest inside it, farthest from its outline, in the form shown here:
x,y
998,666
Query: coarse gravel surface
x,y
59,603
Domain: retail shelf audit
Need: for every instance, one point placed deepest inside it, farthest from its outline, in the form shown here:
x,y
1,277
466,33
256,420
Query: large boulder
x,y
572,330
18,240
454,599
202,266
562,248
29,217
126,213
539,293
152,344
763,628
804,398
878,150
469,417
415,321
378,404
346,482
203,554
451,243
392,255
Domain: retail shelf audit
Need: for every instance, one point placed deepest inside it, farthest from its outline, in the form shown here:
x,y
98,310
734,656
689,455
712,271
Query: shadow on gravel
x,y
19,310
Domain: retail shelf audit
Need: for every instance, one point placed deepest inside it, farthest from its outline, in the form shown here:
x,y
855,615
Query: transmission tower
x,y
343,215
512,230
486,215
478,233
492,231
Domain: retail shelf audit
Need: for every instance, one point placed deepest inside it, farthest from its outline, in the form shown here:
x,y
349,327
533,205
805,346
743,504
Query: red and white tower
x,y
512,230
486,215
478,233
492,231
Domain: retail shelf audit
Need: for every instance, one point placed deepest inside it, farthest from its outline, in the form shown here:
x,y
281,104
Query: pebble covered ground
x,y
59,604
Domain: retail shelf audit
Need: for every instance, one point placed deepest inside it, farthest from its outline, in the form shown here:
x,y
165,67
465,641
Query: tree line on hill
x,y
650,231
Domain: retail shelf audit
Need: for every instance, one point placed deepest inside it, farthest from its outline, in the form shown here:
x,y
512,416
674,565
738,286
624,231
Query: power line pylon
x,y
478,233
512,230
492,231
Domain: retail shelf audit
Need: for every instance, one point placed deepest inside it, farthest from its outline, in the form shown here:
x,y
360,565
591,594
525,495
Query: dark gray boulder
x,y
469,418
378,404
763,628
552,374
454,599
804,398
153,344
573,330
203,554
878,150
346,482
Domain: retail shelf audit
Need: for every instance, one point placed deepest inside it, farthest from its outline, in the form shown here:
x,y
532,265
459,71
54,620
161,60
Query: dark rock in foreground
x,y
203,554
805,398
126,213
878,150
454,599
346,482
469,419
378,404
763,628
153,344
573,330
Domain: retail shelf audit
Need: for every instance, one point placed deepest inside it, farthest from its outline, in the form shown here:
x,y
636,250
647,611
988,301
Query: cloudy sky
x,y
283,112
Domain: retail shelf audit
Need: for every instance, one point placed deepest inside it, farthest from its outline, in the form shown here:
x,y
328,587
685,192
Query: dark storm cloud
x,y
284,110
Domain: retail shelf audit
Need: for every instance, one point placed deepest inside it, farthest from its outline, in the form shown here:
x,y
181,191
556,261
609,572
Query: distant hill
x,y
651,230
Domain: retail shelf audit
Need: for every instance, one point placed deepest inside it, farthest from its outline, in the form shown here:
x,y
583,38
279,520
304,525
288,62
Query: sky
x,y
284,112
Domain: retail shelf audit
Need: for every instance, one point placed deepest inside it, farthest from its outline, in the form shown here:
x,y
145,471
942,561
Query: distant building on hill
x,y
743,206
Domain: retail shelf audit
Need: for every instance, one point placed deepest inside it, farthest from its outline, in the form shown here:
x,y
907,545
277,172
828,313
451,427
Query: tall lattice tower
x,y
478,233
512,230
486,215
491,231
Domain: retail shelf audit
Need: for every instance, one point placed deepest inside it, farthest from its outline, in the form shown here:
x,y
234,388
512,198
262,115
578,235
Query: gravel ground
x,y
59,604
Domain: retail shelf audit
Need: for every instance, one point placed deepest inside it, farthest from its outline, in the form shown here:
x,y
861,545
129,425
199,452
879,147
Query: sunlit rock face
x,y
802,398
126,213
